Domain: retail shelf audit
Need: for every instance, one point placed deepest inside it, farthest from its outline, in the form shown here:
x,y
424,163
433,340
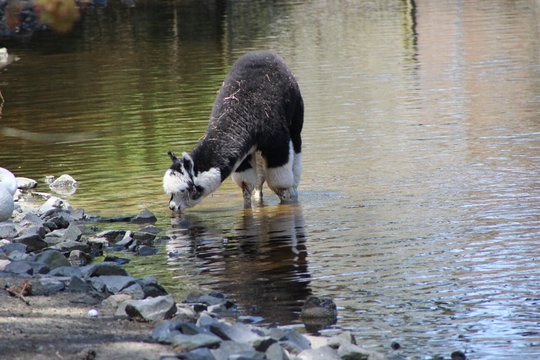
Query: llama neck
x,y
209,180
220,152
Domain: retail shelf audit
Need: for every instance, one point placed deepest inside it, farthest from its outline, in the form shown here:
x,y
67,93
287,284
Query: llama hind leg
x,y
245,176
283,180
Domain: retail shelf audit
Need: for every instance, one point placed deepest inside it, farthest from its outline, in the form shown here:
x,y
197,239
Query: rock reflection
x,y
261,264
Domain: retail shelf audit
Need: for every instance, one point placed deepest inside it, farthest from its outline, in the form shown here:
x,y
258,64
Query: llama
x,y
253,135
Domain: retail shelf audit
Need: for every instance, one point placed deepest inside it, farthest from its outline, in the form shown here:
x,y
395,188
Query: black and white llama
x,y
253,134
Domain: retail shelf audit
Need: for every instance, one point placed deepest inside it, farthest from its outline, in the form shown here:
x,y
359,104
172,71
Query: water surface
x,y
420,197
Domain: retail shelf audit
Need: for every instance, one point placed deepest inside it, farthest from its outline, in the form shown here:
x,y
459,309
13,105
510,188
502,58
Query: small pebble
x,y
93,313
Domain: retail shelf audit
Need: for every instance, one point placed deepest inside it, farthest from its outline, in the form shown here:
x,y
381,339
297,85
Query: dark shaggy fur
x,y
259,110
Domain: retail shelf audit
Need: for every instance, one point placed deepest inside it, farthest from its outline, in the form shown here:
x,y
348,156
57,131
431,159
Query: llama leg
x,y
245,177
282,179
260,170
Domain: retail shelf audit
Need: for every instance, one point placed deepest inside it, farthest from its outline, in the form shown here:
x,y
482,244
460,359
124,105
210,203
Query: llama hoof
x,y
287,196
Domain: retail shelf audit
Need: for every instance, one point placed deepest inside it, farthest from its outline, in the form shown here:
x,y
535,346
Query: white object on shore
x,y
64,185
8,186
4,57
93,313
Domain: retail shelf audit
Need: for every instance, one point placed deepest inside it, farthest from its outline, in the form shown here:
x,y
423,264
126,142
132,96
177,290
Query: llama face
x,y
179,182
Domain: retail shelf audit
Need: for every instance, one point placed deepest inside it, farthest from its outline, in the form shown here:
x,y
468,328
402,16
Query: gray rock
x,y
144,250
111,283
68,246
229,348
198,354
33,242
77,284
322,353
165,329
145,216
236,332
126,240
151,288
52,259
353,352
50,285
292,340
20,255
345,337
151,309
25,184
276,352
54,203
68,271
26,268
71,233
145,238
205,320
8,230
79,258
192,342
134,290
151,229
104,268
13,247
112,236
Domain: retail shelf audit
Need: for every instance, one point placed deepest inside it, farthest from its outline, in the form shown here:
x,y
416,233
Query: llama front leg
x,y
245,176
260,170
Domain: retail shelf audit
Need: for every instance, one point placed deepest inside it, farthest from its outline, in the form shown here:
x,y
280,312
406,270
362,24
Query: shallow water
x,y
420,197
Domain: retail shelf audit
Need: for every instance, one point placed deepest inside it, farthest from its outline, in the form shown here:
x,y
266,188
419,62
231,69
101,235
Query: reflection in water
x,y
260,262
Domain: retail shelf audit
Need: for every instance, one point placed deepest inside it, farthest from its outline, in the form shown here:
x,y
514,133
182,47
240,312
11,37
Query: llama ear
x,y
172,156
187,161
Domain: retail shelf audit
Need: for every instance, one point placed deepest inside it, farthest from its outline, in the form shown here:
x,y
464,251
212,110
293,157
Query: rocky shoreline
x,y
50,252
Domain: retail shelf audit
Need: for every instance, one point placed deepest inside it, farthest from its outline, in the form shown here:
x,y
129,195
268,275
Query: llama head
x,y
179,182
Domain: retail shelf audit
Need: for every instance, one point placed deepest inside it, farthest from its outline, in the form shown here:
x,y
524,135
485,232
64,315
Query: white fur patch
x,y
209,180
172,182
282,177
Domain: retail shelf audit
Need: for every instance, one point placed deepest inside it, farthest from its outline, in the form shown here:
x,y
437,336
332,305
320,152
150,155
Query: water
x,y
420,197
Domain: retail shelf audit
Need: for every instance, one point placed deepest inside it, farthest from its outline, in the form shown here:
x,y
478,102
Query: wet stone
x,y
145,216
104,268
70,245
13,247
112,236
50,286
322,353
354,352
150,309
229,348
66,271
151,288
117,260
198,354
26,267
79,258
52,259
33,242
111,283
8,230
144,250
192,342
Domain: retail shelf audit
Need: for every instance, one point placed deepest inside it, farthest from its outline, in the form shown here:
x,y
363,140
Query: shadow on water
x,y
261,262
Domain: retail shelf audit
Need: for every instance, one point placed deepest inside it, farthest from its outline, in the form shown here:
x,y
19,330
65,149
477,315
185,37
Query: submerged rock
x,y
64,185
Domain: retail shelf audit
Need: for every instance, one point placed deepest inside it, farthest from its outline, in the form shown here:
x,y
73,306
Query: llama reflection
x,y
261,264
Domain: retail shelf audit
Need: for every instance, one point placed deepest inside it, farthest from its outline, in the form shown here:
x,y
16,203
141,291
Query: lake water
x,y
419,203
